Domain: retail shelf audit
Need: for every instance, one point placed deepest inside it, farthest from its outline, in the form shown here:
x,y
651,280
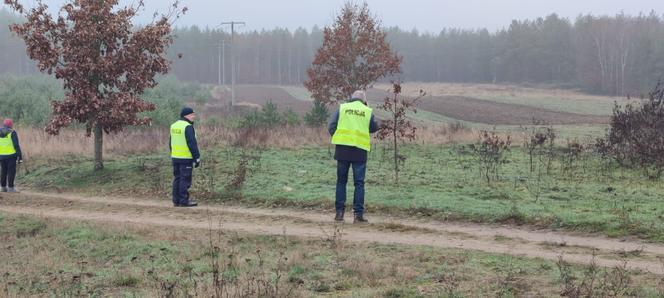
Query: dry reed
x,y
73,142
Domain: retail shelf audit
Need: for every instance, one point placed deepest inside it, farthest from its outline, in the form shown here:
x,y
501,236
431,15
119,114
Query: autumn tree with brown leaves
x,y
398,128
353,56
105,62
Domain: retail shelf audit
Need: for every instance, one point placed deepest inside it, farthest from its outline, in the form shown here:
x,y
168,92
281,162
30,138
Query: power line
x,y
233,63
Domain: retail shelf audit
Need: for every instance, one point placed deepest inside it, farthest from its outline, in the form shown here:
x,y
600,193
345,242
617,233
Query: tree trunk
x,y
99,142
396,143
396,157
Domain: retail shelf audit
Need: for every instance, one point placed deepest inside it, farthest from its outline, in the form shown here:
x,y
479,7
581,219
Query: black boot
x,y
339,216
187,204
359,218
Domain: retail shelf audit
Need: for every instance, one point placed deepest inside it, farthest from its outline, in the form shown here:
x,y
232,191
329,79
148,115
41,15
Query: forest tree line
x,y
618,55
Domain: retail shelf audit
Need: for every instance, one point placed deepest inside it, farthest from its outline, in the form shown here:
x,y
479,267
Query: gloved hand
x,y
20,161
197,163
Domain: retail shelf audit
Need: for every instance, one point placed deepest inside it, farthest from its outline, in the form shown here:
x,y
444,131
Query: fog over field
x,y
424,15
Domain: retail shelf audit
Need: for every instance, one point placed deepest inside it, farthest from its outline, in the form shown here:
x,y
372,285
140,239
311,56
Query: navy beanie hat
x,y
186,111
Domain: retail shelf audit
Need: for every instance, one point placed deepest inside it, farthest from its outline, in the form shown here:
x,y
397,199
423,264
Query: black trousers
x,y
182,173
8,172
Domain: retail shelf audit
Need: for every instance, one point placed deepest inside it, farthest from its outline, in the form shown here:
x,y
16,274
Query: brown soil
x,y
482,111
259,95
387,230
250,97
494,113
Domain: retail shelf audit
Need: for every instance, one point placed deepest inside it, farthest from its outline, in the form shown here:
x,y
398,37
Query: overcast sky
x,y
424,15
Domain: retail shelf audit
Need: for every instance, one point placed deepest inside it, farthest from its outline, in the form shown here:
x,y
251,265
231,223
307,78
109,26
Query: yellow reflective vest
x,y
179,147
7,145
353,126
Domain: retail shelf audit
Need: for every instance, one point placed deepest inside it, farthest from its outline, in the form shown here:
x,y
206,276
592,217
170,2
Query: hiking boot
x,y
187,204
12,189
3,189
339,217
359,219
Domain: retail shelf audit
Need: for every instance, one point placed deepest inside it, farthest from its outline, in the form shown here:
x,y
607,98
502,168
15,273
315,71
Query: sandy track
x,y
313,224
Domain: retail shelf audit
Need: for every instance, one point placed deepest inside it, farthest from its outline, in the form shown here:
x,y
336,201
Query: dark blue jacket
x,y
350,153
3,133
190,135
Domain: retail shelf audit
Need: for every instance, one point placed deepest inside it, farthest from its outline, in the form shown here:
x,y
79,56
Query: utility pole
x,y
233,63
221,75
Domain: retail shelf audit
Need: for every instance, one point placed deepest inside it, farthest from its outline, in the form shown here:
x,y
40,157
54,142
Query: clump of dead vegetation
x,y
636,135
490,152
595,281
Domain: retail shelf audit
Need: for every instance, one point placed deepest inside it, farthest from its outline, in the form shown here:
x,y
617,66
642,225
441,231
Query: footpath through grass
x,y
71,259
587,194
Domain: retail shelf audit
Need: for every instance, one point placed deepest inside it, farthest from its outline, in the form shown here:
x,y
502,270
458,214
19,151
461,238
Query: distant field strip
x,y
482,111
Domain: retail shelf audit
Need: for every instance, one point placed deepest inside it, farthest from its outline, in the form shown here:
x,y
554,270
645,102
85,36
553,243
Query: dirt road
x,y
387,230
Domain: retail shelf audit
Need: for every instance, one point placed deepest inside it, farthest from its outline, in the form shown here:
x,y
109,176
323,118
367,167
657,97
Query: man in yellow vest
x,y
351,128
10,155
185,156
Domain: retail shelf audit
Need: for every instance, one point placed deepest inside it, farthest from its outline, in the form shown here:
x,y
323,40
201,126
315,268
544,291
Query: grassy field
x,y
443,181
293,167
73,259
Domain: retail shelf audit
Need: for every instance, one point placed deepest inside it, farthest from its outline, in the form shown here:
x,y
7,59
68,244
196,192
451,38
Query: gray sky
x,y
425,15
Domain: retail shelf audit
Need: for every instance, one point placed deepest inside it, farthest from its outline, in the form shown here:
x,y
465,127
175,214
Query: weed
x,y
509,284
539,142
27,227
595,282
335,240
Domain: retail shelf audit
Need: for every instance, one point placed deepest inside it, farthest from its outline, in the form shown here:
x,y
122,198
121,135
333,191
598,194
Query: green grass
x,y
438,181
69,259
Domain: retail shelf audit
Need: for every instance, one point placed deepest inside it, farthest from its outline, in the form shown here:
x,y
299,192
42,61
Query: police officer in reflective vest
x,y
350,128
10,155
185,156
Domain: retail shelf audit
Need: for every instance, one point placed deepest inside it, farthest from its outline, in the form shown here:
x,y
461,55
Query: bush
x,y
490,152
318,115
26,99
636,134
291,118
169,97
269,116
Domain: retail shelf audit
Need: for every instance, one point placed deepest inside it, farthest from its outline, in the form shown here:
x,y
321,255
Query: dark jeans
x,y
8,172
182,173
359,171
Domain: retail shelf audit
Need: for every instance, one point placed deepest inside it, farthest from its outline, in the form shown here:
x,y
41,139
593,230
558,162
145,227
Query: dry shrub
x,y
539,141
490,152
233,273
595,282
37,143
636,134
